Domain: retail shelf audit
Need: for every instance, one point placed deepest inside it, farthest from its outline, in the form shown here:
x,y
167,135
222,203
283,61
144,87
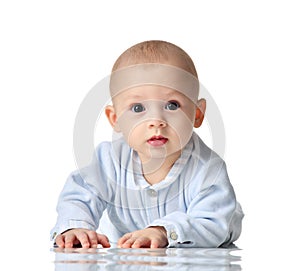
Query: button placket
x,y
153,212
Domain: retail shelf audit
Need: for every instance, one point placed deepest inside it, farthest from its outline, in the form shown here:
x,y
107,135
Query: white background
x,y
247,55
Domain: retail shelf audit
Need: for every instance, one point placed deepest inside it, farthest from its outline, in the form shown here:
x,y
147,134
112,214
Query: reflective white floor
x,y
146,259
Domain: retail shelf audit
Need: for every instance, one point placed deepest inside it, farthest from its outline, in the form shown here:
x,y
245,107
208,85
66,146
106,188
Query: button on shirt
x,y
173,235
152,193
195,203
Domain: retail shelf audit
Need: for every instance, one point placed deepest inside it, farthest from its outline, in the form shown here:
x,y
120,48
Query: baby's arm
x,y
79,211
83,201
213,217
83,237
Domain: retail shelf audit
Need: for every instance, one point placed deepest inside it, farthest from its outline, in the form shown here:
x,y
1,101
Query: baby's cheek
x,y
182,127
128,123
134,136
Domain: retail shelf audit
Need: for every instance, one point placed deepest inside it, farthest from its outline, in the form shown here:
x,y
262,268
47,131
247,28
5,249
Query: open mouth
x,y
157,141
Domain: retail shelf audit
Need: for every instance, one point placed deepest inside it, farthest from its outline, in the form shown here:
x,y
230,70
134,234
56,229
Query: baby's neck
x,y
156,169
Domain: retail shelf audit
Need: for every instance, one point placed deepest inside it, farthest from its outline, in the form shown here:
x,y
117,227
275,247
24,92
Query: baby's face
x,y
156,121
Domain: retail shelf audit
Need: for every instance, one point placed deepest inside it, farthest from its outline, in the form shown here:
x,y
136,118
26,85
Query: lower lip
x,y
157,142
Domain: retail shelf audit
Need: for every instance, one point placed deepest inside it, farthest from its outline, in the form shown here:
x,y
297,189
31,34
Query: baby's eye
x,y
172,105
137,108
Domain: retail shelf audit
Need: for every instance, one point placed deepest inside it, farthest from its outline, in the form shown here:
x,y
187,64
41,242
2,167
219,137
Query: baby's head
x,y
156,51
154,90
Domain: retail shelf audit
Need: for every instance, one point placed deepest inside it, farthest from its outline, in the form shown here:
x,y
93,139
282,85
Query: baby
x,y
156,185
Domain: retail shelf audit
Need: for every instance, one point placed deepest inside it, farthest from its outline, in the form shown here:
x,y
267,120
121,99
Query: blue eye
x,y
137,108
172,105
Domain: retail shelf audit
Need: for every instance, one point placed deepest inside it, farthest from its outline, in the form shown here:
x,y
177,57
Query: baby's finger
x,y
141,242
155,243
123,239
83,239
128,243
93,238
69,240
59,241
103,240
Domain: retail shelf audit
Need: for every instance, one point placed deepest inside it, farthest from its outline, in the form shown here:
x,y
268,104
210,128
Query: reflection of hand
x,y
152,237
85,238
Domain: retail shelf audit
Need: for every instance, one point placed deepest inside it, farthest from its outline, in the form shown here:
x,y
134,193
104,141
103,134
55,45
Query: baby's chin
x,y
159,155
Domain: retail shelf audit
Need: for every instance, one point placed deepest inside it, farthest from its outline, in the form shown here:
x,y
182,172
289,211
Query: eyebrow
x,y
134,96
166,93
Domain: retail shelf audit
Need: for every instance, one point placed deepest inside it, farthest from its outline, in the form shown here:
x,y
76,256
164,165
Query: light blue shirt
x,y
195,202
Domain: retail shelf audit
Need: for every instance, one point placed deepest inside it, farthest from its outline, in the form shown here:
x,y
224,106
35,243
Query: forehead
x,y
154,74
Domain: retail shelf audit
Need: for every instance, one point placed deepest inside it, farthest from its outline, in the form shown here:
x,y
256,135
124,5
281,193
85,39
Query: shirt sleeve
x,y
84,198
78,207
213,217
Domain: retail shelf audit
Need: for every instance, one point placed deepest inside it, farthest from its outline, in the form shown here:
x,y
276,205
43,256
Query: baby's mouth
x,y
157,141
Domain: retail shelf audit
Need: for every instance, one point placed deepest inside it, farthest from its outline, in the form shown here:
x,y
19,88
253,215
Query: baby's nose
x,y
156,123
155,118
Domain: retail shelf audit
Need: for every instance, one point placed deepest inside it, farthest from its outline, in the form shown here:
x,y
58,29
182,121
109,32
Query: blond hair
x,y
155,51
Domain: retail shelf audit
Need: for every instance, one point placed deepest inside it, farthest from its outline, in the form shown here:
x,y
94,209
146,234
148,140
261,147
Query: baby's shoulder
x,y
206,167
116,149
202,153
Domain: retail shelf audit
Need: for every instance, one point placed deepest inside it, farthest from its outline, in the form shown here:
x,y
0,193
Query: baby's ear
x,y
112,117
200,112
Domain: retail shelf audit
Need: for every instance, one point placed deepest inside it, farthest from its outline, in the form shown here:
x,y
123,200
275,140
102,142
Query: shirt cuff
x,y
173,234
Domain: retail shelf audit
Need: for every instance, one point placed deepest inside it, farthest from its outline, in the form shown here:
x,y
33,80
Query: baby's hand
x,y
85,238
152,237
